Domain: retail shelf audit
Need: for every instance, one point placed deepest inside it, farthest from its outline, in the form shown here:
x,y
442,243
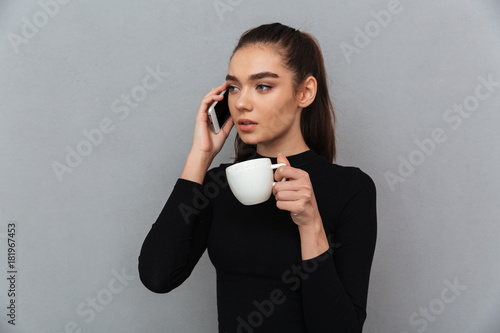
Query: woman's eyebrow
x,y
253,77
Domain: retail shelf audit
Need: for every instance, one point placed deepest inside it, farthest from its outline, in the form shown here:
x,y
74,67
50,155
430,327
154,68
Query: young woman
x,y
299,262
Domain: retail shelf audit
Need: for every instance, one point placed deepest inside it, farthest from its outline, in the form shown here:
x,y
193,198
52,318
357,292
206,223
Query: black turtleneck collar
x,y
297,159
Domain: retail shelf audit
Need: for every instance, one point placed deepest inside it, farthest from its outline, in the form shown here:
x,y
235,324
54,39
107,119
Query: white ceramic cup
x,y
252,181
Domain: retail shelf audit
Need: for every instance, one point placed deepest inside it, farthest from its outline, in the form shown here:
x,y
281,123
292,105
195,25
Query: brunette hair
x,y
302,56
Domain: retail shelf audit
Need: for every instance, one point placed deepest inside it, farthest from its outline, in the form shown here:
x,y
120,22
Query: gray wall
x,y
413,110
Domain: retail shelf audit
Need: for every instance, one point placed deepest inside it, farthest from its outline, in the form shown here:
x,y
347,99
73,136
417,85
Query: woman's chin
x,y
248,139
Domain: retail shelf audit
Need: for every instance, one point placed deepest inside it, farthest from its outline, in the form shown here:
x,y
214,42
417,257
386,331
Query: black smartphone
x,y
219,112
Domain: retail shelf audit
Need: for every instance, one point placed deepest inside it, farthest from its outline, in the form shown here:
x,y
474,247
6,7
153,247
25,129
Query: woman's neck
x,y
287,150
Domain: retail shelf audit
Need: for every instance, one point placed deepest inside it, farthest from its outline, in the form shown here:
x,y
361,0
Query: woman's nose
x,y
243,101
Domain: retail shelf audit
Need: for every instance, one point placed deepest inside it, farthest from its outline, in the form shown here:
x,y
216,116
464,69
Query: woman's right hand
x,y
206,144
205,141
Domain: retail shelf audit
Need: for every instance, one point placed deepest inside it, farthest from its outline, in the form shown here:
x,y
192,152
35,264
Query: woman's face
x,y
262,102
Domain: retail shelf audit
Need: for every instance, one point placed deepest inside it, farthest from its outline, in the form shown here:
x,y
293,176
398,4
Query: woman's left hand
x,y
296,194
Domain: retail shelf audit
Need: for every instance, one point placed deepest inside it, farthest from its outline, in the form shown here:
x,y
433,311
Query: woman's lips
x,y
246,125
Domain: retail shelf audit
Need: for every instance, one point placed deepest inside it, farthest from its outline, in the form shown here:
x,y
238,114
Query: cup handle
x,y
275,166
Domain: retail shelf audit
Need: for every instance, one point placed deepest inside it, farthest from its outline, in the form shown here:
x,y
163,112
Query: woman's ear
x,y
307,92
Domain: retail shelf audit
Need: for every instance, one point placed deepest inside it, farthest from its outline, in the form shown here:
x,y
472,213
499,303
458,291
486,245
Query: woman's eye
x,y
263,87
231,88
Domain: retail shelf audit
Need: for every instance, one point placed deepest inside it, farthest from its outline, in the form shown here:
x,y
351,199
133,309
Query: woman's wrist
x,y
196,167
313,240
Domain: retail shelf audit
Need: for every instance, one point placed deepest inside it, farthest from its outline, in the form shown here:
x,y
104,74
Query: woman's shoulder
x,y
221,168
349,176
356,178
352,172
217,174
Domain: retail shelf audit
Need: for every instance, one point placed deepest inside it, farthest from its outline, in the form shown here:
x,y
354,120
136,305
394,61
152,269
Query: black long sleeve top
x,y
263,285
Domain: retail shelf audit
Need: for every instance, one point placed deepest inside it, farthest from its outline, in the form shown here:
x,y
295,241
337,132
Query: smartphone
x,y
219,112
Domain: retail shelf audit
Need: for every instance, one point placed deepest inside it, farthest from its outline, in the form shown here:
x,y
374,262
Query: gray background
x,y
438,225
